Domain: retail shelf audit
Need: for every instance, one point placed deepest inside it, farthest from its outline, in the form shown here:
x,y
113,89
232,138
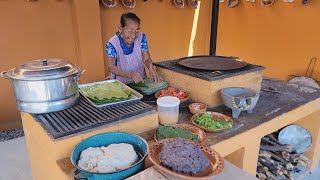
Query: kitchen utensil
x,y
305,2
109,3
193,3
297,136
215,116
212,63
239,99
129,3
178,3
133,97
105,139
168,110
270,89
266,2
233,3
214,169
45,85
307,79
195,130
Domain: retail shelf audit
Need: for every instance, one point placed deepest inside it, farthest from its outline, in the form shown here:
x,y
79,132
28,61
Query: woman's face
x,y
130,31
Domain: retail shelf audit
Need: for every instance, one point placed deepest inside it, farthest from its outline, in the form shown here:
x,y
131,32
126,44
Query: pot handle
x,y
76,78
4,75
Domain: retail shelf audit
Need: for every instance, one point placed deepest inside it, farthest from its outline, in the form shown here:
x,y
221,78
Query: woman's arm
x,y
148,63
136,77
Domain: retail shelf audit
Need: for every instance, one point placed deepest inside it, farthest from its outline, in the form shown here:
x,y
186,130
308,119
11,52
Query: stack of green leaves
x,y
106,93
164,132
206,120
148,87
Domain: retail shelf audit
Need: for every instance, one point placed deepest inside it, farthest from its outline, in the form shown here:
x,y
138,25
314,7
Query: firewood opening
x,y
278,161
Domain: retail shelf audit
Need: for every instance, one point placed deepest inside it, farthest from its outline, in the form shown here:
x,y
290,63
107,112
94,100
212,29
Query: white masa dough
x,y
108,159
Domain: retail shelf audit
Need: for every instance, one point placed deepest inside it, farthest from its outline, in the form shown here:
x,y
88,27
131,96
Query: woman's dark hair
x,y
128,16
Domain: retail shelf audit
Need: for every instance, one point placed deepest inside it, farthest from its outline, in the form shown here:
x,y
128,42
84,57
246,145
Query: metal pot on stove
x,y
45,85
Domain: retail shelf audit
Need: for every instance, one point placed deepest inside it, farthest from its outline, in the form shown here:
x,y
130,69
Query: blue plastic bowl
x,y
139,144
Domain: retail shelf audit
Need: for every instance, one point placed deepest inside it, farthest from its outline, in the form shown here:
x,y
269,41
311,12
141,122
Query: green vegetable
x,y
206,120
164,132
148,87
106,93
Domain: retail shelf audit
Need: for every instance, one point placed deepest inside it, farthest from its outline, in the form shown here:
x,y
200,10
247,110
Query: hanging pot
x,y
233,3
129,3
109,3
305,2
193,3
307,79
267,2
178,3
44,85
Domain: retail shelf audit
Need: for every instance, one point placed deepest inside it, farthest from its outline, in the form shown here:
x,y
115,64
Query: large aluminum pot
x,y
45,85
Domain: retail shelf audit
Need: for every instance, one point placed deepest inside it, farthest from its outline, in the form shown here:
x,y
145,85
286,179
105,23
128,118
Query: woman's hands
x,y
136,77
154,76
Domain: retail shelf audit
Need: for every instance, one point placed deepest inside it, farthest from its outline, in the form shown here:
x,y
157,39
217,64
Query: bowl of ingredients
x,y
114,155
185,131
171,91
197,108
212,121
185,159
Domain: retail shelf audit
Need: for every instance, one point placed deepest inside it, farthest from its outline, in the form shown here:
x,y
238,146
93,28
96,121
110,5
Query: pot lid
x,y
44,69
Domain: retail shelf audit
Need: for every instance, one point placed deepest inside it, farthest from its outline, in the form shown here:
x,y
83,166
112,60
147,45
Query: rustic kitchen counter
x,y
239,145
293,104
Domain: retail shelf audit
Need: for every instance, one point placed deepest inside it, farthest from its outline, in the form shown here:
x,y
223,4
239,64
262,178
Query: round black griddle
x,y
212,63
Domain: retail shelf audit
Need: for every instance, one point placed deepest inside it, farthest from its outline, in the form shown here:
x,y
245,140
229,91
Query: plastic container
x,y
168,110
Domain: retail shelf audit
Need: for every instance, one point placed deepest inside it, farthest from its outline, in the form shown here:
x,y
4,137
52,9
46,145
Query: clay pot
x,y
109,3
129,3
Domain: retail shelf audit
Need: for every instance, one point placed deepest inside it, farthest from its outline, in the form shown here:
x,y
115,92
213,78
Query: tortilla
x,y
106,92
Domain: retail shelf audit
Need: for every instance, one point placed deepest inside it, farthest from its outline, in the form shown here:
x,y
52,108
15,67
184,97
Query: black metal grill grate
x,y
84,116
206,75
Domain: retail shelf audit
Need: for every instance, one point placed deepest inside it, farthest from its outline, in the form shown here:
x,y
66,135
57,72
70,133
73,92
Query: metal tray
x,y
133,97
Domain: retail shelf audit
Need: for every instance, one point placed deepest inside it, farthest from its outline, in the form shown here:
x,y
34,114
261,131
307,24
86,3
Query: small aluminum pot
x,y
45,85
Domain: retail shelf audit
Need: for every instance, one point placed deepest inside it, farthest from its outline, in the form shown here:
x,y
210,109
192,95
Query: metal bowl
x,y
297,136
139,144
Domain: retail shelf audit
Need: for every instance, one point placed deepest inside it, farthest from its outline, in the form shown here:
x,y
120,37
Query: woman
x,y
128,52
